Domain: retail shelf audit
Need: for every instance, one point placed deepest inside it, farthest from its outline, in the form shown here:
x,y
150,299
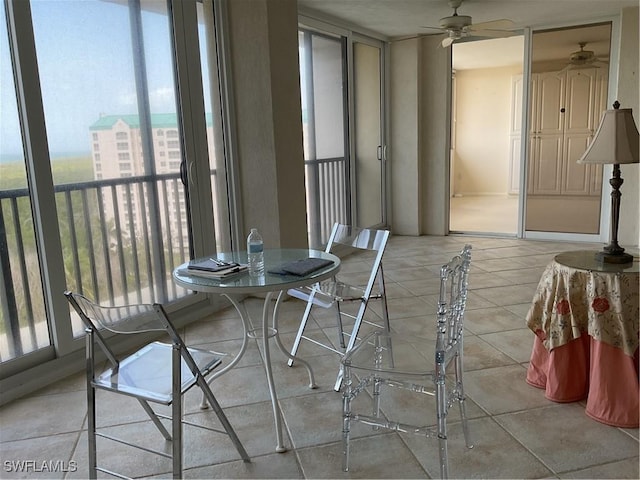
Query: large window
x,y
110,218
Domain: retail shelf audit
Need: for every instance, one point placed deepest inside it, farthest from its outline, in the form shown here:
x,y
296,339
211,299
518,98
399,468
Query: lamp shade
x,y
616,141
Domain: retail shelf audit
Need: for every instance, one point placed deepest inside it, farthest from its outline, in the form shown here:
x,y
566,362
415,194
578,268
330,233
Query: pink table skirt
x,y
588,368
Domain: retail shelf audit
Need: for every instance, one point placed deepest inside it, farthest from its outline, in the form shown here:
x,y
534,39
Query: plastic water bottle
x,y
255,253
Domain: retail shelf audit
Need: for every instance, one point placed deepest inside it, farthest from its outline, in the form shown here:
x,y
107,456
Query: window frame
x,y
61,356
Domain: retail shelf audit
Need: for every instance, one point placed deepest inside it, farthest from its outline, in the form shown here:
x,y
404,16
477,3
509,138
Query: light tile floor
x,y
497,214
517,432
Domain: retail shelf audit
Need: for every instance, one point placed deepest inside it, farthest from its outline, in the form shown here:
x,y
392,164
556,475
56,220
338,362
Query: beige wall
x,y
628,96
403,158
264,65
435,113
483,99
419,137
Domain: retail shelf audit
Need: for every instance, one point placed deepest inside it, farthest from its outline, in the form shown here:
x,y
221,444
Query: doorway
x,y
485,140
342,94
569,86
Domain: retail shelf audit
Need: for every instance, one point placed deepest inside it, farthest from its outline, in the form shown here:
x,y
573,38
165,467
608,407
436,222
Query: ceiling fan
x,y
461,26
584,59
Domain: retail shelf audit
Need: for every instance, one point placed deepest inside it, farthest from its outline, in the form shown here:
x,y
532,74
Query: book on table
x,y
302,267
213,268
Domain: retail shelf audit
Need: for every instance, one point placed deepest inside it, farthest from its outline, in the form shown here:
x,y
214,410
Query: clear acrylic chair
x,y
158,373
384,361
344,241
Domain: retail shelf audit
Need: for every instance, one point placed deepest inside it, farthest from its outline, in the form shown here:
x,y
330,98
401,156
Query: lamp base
x,y
616,258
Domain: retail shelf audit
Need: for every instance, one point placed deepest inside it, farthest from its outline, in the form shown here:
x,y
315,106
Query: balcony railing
x,y
327,184
121,239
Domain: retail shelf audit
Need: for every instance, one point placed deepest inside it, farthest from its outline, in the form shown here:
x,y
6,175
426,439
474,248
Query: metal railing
x,y
327,184
110,251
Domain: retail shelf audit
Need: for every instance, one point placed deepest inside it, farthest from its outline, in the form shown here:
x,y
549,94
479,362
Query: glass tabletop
x,y
586,260
244,283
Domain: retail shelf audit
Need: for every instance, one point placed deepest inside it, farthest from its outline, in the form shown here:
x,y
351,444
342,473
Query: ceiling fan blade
x,y
585,66
502,24
491,33
411,37
571,66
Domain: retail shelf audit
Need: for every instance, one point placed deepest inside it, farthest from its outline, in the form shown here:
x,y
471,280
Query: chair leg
x,y
462,401
346,420
215,406
383,299
352,340
154,418
91,409
441,407
340,326
376,380
444,459
303,324
176,412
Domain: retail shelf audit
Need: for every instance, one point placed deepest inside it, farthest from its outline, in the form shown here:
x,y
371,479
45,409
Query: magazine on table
x,y
213,268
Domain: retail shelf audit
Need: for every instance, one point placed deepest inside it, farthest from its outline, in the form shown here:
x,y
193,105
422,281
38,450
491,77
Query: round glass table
x,y
239,286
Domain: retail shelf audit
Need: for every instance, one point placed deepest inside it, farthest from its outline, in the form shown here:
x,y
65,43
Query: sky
x,y
86,69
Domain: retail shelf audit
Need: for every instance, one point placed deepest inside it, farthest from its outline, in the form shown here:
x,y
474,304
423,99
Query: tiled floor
x,y
517,432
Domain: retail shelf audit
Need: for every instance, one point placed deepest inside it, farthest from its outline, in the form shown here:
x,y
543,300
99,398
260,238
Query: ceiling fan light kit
x,y
582,58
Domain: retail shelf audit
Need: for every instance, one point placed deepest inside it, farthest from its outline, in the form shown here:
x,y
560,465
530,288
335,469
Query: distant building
x,y
116,151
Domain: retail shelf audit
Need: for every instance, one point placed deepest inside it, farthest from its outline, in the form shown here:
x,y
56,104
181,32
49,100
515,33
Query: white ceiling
x,y
401,18
547,46
395,20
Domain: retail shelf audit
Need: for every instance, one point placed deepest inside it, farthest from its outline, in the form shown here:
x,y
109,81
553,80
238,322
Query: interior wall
x,y
420,115
434,101
264,46
482,123
629,97
404,138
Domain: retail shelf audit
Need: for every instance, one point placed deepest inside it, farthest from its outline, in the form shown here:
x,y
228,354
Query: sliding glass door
x,y
23,326
326,147
342,85
114,126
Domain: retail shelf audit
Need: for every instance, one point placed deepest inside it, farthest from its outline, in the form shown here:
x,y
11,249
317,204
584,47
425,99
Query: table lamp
x,y
616,141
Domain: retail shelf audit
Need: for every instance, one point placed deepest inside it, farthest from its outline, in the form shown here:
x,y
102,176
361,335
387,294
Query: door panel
x,y
547,169
549,118
368,130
